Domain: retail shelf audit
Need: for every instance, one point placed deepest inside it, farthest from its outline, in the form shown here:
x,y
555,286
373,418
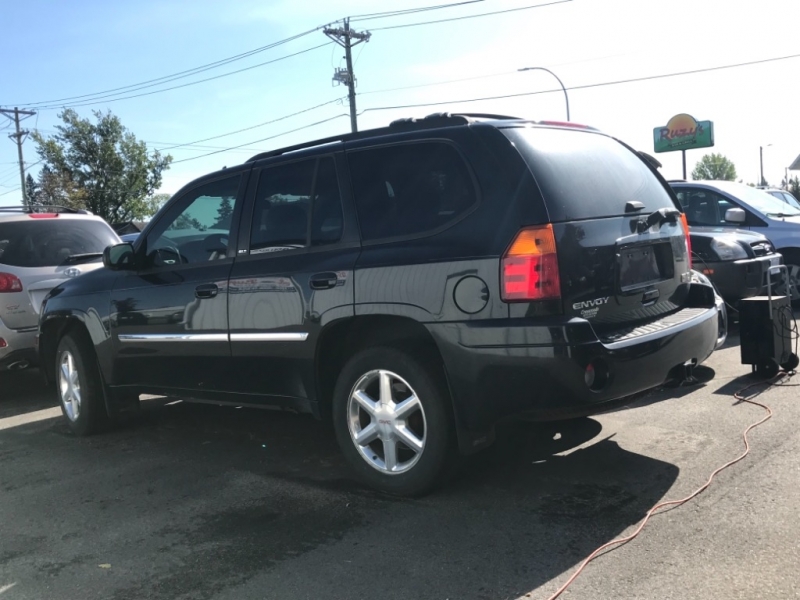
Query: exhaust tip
x,y
20,365
597,375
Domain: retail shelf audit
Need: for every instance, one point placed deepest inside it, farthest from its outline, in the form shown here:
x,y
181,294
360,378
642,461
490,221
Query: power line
x,y
591,85
215,137
486,14
486,76
272,137
274,60
10,191
181,74
409,11
196,145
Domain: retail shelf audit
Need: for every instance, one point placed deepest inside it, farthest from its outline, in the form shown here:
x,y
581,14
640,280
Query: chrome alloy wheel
x,y
69,385
386,422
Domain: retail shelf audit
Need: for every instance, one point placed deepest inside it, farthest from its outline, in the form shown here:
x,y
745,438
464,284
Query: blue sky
x,y
64,49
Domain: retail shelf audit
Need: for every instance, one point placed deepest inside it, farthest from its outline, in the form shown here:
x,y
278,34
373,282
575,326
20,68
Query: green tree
x,y
155,202
31,190
794,187
113,172
187,221
224,215
714,166
56,188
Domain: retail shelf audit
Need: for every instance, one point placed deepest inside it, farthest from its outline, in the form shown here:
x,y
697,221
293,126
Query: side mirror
x,y
735,215
118,257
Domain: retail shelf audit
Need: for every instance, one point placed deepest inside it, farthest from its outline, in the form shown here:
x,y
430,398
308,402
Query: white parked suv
x,y
40,247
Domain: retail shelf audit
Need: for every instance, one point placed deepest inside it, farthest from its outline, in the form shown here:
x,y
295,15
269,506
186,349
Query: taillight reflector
x,y
9,283
43,215
3,343
530,266
685,224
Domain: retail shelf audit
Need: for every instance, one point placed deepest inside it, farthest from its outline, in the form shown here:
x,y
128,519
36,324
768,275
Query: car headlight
x,y
727,249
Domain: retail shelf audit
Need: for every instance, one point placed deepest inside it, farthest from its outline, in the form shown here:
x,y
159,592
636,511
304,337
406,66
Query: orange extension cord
x,y
674,503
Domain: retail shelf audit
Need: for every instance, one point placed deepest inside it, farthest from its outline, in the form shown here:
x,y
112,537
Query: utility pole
x,y
19,136
344,36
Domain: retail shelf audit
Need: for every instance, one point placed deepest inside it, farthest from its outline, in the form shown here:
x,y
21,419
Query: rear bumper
x,y
20,348
739,279
501,368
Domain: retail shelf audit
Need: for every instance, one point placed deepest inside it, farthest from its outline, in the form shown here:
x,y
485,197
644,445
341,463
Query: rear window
x,y
50,242
409,189
586,175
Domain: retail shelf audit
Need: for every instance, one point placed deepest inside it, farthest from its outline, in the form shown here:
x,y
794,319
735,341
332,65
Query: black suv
x,y
415,284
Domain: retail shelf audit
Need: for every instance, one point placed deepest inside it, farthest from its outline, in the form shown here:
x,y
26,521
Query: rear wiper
x,y
74,258
659,217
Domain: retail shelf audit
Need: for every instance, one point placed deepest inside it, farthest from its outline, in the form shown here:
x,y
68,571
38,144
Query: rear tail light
x,y
9,283
685,224
3,343
530,266
43,215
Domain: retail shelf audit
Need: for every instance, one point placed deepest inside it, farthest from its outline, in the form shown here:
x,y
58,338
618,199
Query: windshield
x,y
788,198
50,242
757,199
587,175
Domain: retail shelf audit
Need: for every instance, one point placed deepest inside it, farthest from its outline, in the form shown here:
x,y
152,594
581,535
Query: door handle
x,y
207,290
324,281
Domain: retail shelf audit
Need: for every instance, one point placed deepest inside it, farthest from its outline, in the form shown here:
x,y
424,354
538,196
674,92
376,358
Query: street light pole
x,y
761,162
561,83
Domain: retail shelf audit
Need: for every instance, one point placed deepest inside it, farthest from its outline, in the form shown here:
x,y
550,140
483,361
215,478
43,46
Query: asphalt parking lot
x,y
206,502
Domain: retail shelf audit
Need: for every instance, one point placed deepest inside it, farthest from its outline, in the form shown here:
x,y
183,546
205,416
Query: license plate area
x,y
643,265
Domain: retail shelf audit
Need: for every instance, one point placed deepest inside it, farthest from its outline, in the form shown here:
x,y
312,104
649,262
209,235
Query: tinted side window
x,y
409,189
704,208
284,208
198,228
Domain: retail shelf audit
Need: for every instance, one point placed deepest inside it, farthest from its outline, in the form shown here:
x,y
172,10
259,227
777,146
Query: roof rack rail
x,y
431,121
491,116
446,119
321,142
44,208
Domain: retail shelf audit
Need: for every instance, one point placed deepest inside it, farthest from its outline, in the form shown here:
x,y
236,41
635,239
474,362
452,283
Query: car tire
x,y
406,446
79,386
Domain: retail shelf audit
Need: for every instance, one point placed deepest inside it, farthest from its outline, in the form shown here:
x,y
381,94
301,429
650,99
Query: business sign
x,y
682,132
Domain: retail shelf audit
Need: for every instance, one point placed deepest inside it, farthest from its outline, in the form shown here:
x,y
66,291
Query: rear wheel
x,y
79,386
392,420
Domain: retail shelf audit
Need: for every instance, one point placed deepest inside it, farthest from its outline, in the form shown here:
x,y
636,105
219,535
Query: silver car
x,y
39,249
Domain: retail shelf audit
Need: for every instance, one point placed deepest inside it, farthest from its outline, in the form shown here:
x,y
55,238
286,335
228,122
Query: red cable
x,y
624,540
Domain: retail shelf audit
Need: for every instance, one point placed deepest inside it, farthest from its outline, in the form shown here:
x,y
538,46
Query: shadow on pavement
x,y
204,501
24,392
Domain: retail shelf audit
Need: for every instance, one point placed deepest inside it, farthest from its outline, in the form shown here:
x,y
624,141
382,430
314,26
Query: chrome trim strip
x,y
270,337
214,337
174,337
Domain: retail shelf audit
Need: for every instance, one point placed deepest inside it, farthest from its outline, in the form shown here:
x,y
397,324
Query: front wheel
x,y
393,421
80,389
